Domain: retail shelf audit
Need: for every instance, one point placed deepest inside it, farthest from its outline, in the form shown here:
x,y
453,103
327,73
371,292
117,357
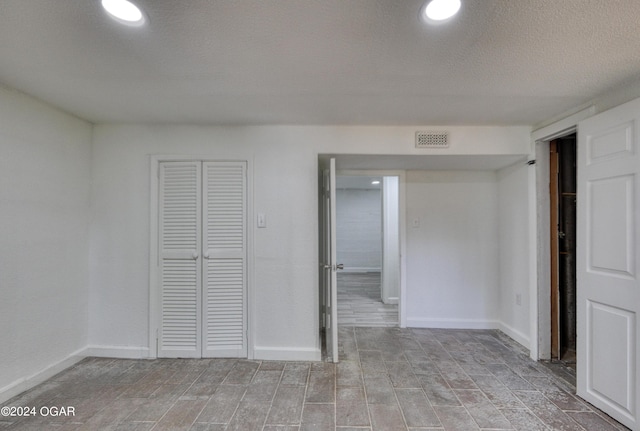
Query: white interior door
x,y
329,265
179,244
202,261
608,288
224,259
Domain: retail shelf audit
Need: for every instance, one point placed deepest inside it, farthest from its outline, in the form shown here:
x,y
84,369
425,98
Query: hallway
x,y
388,379
359,302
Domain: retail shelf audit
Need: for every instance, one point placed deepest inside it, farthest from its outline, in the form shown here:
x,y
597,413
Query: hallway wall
x,y
359,229
452,249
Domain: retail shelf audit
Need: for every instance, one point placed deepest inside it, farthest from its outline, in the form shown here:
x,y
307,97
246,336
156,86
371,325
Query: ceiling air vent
x,y
432,140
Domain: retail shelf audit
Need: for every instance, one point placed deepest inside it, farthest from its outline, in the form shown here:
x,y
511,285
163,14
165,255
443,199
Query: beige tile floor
x,y
388,379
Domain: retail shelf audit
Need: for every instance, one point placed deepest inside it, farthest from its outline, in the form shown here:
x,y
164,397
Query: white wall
x,y
283,295
513,231
44,195
390,277
359,229
452,249
283,289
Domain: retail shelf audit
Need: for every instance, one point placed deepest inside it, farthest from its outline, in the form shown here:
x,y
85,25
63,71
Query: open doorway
x,y
367,215
392,266
562,191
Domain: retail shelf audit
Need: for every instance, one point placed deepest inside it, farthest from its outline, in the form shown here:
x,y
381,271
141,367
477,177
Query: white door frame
x,y
402,318
539,232
390,266
154,297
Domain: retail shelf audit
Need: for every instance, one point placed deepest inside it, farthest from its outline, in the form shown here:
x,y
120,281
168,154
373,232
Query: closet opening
x,y
562,190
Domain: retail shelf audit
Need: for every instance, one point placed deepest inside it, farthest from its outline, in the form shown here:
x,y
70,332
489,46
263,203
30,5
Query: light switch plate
x,y
262,220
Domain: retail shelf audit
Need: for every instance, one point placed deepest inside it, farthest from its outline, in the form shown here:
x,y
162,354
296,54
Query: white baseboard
x,y
393,300
287,354
26,383
515,335
122,352
360,269
413,322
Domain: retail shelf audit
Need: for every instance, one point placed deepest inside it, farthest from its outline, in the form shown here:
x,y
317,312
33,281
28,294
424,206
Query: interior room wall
x,y
282,257
283,296
452,249
359,229
513,233
44,192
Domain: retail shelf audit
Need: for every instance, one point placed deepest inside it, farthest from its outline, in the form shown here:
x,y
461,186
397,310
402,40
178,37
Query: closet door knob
x,y
194,255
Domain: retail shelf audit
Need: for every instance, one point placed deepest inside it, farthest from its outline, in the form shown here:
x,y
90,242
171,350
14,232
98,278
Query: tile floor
x,y
359,302
388,379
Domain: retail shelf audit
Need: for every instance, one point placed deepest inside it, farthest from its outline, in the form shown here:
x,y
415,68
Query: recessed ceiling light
x,y
440,10
375,182
124,11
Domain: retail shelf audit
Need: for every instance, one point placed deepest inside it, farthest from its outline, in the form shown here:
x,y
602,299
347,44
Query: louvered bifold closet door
x,y
180,234
225,261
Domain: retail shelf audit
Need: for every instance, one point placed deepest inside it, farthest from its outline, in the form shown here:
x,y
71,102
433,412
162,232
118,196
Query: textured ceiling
x,y
499,62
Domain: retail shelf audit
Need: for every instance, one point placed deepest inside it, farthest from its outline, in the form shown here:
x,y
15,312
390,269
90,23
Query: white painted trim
x,y
120,352
154,300
402,304
533,261
390,275
562,127
392,300
541,291
514,334
25,383
287,353
539,305
421,322
360,269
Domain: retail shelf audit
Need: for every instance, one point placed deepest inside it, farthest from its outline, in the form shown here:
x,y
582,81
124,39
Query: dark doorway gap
x,y
563,168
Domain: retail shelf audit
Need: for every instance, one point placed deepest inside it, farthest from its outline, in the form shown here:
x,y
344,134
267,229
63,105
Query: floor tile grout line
x,y
208,397
172,406
395,394
335,391
273,397
425,392
452,390
304,396
364,385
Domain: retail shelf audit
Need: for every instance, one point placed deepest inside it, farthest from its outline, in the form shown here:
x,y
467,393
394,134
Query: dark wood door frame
x,y
562,191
